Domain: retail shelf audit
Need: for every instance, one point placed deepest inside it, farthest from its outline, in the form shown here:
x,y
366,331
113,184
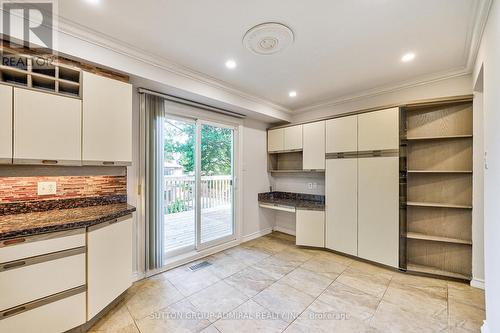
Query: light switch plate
x,y
47,188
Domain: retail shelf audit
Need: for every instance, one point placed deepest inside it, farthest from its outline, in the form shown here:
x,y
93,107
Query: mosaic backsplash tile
x,y
24,189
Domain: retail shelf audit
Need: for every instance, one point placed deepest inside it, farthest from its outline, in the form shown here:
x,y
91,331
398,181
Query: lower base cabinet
x,y
109,269
55,317
310,226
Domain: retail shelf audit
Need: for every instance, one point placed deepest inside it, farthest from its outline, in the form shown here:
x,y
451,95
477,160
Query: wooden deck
x,y
179,227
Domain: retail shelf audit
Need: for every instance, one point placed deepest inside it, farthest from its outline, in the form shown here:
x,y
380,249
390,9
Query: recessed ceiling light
x,y
292,94
408,57
231,64
93,2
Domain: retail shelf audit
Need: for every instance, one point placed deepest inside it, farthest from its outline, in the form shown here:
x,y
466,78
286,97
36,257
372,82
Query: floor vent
x,y
199,266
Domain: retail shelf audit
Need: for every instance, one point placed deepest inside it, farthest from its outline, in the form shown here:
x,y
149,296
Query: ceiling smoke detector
x,y
268,38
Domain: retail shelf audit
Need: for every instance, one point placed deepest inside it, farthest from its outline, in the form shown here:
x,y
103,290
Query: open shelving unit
x,y
39,72
436,189
284,162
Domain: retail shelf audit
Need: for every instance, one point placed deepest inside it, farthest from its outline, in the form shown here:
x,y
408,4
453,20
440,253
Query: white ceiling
x,y
342,47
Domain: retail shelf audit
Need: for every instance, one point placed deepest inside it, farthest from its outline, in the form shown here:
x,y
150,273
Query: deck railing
x,y
180,192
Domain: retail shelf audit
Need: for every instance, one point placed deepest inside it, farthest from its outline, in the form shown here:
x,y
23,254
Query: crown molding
x,y
481,13
89,35
428,79
471,49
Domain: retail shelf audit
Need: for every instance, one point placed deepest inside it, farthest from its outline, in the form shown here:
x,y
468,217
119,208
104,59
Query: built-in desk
x,y
309,210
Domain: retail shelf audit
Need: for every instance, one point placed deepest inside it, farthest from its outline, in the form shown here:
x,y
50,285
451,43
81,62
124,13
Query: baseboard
x,y
285,230
136,276
256,234
484,328
477,283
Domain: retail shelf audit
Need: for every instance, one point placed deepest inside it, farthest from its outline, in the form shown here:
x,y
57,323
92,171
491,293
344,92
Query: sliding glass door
x,y
179,179
216,184
198,185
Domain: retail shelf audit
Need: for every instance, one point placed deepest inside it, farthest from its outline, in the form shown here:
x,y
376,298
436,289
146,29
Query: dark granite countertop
x,y
29,224
297,200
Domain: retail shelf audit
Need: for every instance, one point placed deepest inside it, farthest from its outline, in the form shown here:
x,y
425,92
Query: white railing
x,y
180,192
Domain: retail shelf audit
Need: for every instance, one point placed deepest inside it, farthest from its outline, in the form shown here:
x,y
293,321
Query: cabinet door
x,y
378,130
342,135
107,121
314,146
310,226
5,124
109,264
342,205
275,140
47,128
378,212
293,137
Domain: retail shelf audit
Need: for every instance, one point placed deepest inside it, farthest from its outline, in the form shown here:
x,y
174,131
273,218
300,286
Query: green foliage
x,y
177,206
216,147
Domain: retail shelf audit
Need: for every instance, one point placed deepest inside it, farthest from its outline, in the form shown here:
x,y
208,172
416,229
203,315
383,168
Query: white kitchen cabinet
x,y
276,140
109,263
378,130
293,138
28,282
342,134
5,124
47,128
314,146
56,316
25,247
342,205
378,212
310,227
107,121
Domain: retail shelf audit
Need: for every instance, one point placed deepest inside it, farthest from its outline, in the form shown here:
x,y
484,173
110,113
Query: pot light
x,y
231,64
408,57
93,2
292,94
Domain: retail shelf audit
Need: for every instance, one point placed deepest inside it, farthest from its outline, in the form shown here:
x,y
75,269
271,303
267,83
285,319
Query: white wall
x,y
255,179
454,86
489,59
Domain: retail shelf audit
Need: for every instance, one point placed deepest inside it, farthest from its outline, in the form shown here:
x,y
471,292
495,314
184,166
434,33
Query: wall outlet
x,y
47,188
310,186
315,186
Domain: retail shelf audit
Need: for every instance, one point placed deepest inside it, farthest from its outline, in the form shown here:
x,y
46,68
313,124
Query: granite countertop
x,y
29,224
297,200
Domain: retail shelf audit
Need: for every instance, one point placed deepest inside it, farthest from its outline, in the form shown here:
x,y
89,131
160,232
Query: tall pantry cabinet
x,y
362,186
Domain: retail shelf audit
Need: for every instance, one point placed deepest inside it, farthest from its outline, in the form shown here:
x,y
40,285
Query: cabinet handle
x,y
14,265
49,162
14,241
14,311
108,163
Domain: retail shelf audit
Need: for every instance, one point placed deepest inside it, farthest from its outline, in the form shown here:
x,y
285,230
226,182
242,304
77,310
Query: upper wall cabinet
x,y
378,130
314,146
342,135
284,139
107,121
5,124
47,128
293,137
276,140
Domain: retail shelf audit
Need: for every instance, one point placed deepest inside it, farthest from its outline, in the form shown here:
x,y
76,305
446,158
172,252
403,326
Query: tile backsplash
x,y
25,189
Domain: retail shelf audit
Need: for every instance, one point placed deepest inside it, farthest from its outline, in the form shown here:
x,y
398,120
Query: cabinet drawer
x,y
32,281
54,317
25,247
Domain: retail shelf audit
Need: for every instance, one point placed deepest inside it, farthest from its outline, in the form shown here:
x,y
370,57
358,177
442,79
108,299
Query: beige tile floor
x,y
270,285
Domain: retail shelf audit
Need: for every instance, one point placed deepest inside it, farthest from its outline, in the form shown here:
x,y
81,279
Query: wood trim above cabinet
x,y
414,103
